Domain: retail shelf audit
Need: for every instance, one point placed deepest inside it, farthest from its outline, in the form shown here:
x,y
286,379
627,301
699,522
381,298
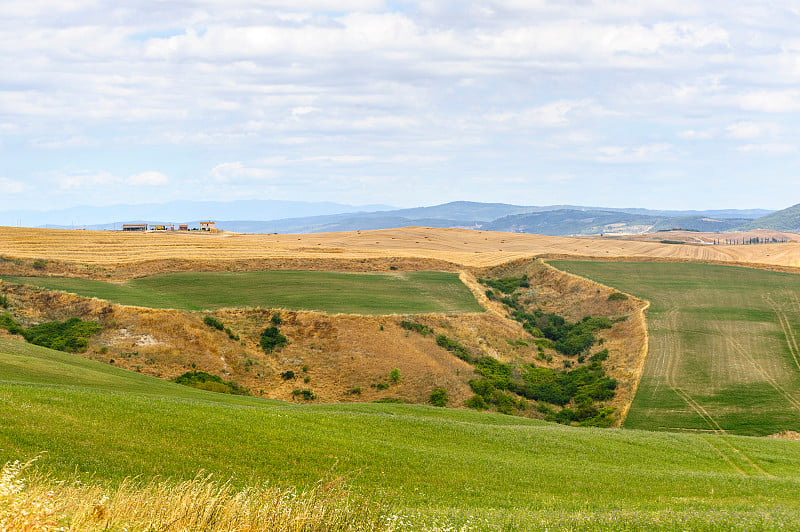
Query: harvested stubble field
x,y
331,292
724,353
425,468
107,253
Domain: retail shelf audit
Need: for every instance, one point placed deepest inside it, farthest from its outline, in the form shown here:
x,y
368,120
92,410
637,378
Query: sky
x,y
658,104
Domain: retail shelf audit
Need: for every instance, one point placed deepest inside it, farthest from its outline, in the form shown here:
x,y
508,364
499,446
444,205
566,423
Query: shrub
x,y
4,301
355,390
617,296
271,339
382,386
476,402
276,319
439,397
454,347
424,330
214,323
306,379
394,376
306,395
208,382
8,323
39,265
287,375
507,285
71,335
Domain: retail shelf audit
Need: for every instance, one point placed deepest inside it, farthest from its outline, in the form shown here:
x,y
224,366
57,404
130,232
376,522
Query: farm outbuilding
x,y
183,228
207,226
134,227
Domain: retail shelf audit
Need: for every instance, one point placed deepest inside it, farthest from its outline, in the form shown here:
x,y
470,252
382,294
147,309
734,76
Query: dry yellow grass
x,y
43,504
467,248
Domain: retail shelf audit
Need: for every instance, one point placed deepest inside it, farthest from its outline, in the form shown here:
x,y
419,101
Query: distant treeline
x,y
749,241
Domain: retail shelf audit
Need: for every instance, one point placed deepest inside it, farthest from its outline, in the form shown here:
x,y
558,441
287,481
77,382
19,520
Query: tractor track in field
x,y
672,368
786,326
793,401
736,453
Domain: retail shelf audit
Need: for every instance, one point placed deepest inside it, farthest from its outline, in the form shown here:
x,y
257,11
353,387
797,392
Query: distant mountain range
x,y
273,216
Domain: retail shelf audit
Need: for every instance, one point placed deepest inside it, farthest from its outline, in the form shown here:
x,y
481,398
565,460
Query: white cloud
x,y
85,179
10,186
235,172
770,101
692,134
152,179
768,149
300,111
637,154
557,113
751,130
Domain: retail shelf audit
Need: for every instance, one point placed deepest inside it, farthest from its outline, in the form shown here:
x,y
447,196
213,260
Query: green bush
x,y
617,296
476,402
39,265
382,386
306,395
288,375
8,323
454,347
439,397
276,319
424,330
394,376
214,323
71,335
209,382
507,285
4,301
272,339
355,390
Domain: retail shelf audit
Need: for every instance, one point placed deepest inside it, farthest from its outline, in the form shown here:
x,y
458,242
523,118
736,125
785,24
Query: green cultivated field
x,y
724,345
356,293
433,468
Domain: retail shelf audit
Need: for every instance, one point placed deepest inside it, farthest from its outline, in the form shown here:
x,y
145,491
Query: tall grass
x,y
34,501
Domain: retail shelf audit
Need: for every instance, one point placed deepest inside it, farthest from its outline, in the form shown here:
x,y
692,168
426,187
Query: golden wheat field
x,y
468,248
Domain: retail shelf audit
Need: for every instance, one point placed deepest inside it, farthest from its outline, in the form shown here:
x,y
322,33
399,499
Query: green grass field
x,y
432,467
723,345
355,293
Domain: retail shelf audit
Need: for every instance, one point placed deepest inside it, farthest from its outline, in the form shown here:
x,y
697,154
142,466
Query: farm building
x,y
207,226
134,227
183,228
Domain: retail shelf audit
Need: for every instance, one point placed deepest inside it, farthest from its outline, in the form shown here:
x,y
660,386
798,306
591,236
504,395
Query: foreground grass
x,y
427,467
723,345
332,292
31,501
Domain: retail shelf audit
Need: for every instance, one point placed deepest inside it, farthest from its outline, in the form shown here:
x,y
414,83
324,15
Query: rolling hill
x,y
102,425
784,220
